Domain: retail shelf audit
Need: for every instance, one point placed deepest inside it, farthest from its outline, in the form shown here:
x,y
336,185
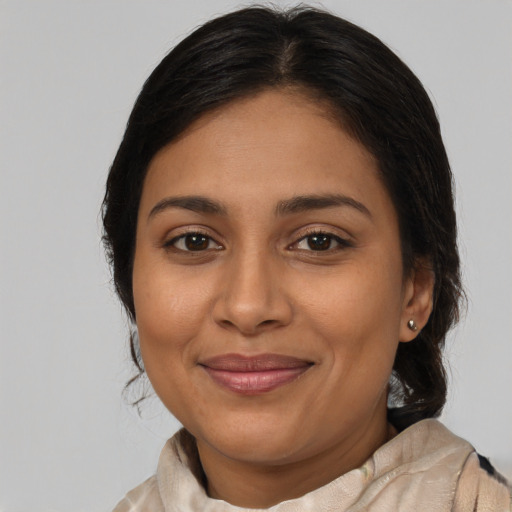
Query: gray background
x,y
70,71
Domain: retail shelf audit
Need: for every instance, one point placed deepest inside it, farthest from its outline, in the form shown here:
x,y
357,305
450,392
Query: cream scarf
x,y
425,468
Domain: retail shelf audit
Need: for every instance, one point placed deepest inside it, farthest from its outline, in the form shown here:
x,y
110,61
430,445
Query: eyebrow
x,y
197,204
299,204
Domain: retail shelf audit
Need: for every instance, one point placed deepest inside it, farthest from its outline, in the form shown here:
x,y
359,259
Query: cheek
x,y
168,320
168,308
357,317
357,302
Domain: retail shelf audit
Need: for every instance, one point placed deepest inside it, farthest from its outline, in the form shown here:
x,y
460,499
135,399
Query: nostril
x,y
254,328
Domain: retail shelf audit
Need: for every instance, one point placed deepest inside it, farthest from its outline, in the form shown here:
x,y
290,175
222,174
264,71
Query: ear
x,y
418,299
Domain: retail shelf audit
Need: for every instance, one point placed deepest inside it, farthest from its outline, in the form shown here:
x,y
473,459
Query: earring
x,y
412,325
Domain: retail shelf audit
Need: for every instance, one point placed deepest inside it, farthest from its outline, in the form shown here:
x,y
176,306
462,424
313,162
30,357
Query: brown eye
x,y
196,242
319,242
193,242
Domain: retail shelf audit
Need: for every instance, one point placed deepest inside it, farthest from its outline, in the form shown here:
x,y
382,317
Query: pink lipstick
x,y
253,375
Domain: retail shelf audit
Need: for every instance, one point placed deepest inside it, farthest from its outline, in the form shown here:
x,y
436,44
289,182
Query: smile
x,y
254,375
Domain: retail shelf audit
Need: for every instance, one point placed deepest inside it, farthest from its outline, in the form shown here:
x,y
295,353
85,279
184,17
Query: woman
x,y
280,223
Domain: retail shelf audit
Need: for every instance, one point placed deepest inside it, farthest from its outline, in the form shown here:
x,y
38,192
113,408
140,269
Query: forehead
x,y
270,146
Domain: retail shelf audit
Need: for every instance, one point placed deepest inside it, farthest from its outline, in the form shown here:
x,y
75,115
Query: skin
x,y
256,286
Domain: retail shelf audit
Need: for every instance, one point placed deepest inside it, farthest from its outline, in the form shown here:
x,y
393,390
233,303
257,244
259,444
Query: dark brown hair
x,y
377,99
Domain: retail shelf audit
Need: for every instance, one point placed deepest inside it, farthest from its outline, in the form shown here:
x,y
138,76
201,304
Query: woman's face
x,y
268,283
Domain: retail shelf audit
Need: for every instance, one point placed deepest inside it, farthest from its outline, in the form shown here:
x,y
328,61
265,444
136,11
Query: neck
x,y
245,484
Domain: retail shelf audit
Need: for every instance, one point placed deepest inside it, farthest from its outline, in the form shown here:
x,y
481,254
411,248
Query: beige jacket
x,y
425,468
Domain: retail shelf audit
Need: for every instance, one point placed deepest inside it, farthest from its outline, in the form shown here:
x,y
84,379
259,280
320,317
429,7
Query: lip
x,y
253,375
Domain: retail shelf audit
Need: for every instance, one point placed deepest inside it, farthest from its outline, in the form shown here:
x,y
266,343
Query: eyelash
x,y
341,242
331,238
172,244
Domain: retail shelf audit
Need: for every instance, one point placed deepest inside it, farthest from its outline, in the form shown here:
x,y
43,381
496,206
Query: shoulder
x,y
177,478
480,487
426,467
144,498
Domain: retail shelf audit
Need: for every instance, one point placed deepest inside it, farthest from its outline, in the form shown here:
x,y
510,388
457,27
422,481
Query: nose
x,y
251,297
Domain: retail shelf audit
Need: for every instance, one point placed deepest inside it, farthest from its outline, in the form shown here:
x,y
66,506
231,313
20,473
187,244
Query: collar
x,y
421,465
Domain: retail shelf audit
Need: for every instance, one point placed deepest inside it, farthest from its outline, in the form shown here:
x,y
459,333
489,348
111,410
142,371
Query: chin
x,y
255,441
